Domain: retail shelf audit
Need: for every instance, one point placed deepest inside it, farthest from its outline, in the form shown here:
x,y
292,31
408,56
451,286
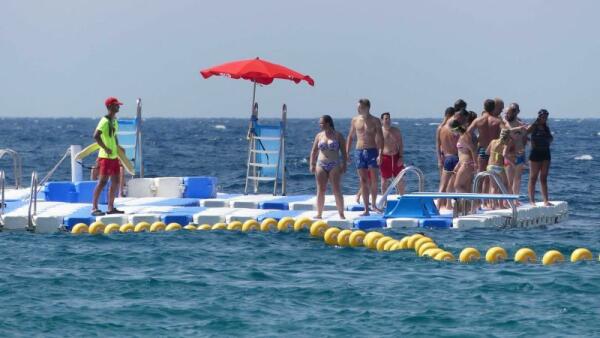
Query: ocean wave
x,y
219,126
585,157
434,124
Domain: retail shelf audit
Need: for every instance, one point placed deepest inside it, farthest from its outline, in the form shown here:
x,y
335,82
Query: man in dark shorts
x,y
369,144
392,157
108,157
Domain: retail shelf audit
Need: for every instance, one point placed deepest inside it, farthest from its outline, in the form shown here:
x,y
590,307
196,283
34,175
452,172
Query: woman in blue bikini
x,y
326,164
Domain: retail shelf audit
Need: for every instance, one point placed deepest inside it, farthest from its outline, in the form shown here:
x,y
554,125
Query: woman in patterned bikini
x,y
326,164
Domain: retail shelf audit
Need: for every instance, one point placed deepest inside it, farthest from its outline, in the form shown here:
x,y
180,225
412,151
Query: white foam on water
x,y
418,124
598,133
434,124
220,126
585,157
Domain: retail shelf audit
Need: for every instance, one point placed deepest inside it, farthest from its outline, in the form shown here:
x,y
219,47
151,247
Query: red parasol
x,y
257,71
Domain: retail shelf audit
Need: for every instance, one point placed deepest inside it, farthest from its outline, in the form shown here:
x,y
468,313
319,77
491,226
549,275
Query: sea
x,y
224,284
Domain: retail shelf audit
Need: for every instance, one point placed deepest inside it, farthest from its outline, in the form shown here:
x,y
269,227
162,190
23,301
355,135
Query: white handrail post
x,y
76,167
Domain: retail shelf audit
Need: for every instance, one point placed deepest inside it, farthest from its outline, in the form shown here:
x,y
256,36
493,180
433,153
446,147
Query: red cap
x,y
112,100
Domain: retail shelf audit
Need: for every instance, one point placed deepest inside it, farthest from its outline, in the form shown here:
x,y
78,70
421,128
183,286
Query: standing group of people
x,y
379,150
467,144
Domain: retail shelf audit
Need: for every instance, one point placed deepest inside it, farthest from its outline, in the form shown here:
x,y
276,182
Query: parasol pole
x,y
253,96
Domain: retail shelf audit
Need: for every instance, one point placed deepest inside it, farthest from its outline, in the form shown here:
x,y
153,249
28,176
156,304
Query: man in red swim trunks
x,y
392,156
108,157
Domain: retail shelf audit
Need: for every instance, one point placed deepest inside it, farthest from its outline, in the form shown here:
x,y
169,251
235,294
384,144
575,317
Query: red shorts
x,y
109,167
389,166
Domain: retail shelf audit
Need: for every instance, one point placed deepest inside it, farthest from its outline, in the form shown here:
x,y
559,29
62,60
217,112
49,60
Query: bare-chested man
x,y
488,126
369,145
392,157
438,150
516,155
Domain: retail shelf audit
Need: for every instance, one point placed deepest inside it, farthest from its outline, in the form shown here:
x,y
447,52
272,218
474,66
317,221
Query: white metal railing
x,y
17,164
476,184
410,169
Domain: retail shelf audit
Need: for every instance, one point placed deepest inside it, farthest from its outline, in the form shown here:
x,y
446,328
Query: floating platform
x,y
169,200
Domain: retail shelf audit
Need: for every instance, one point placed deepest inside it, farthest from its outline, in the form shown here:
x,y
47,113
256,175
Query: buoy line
x,y
422,245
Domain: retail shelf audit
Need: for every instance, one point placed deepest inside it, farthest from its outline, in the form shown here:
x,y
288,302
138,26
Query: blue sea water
x,y
288,284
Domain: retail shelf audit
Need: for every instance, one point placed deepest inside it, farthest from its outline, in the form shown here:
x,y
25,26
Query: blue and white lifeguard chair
x,y
266,153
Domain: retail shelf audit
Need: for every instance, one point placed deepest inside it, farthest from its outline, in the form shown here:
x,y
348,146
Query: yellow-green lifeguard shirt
x,y
109,139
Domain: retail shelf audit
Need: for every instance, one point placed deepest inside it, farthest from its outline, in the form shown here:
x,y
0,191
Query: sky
x,y
412,58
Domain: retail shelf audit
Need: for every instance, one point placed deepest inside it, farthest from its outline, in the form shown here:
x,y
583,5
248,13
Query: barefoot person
x,y
518,135
392,157
369,144
467,155
488,127
449,153
497,153
108,162
438,151
539,158
326,164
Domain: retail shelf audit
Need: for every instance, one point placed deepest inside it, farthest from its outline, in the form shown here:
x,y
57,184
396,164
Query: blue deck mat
x,y
171,202
282,203
370,222
279,214
181,215
355,207
83,215
436,222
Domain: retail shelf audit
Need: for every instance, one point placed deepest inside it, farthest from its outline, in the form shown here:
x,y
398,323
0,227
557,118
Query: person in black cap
x,y
539,158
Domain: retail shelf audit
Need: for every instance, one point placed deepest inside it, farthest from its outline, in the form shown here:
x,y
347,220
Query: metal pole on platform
x,y
76,167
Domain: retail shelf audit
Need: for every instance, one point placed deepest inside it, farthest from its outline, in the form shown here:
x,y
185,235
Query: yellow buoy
x,y
80,228
388,245
234,226
268,224
142,226
109,229
157,226
317,229
432,252
219,226
127,227
204,227
96,228
444,256
412,239
382,241
525,255
495,255
552,256
469,255
422,241
250,225
581,254
371,239
356,238
302,223
173,227
285,224
190,227
330,236
343,237
403,244
424,247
